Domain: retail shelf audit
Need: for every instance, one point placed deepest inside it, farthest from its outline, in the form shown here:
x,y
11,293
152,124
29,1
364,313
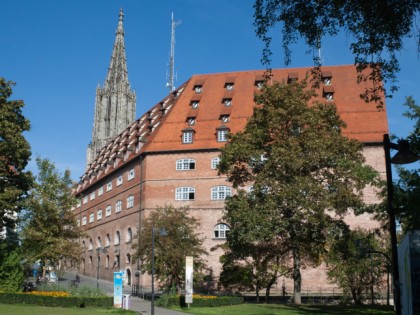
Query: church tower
x,y
115,102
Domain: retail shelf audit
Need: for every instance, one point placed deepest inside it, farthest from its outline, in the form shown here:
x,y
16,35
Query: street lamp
x,y
162,232
403,156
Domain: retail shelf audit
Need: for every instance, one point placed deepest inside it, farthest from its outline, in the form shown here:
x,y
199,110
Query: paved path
x,y
137,304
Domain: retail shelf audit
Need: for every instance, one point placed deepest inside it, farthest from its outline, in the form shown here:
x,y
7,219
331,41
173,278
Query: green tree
x,y
254,259
170,250
305,175
14,156
376,31
50,230
356,263
407,188
11,267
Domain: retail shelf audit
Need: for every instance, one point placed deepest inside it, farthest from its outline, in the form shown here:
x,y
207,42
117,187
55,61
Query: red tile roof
x,y
160,129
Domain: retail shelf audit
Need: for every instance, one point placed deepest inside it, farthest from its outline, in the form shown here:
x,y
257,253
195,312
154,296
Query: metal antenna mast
x,y
171,84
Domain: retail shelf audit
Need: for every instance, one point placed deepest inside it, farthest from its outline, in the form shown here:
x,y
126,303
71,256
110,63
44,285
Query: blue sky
x,y
58,51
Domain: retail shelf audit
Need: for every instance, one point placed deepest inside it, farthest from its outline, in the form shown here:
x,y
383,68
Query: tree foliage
x,y
170,250
254,258
50,230
407,188
14,156
305,175
11,266
376,31
357,262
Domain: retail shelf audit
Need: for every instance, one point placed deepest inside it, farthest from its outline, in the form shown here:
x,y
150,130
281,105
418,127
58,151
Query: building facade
x,y
169,156
115,102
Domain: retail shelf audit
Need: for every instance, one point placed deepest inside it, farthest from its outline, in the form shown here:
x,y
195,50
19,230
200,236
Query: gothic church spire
x,y
115,103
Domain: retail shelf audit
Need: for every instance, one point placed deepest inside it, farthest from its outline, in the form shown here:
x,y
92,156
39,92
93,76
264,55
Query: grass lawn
x,y
275,309
34,310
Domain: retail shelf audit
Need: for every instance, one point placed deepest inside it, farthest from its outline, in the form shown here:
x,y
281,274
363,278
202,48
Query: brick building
x,y
169,156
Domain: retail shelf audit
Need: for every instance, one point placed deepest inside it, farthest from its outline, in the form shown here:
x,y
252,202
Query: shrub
x,y
169,300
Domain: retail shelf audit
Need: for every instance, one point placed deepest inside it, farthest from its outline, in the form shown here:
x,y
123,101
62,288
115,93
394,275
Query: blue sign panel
x,y
118,289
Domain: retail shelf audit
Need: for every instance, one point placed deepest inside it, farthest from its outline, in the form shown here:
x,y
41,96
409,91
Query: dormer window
x,y
227,102
191,121
329,92
224,118
222,133
194,104
198,88
326,77
293,77
229,86
259,84
187,135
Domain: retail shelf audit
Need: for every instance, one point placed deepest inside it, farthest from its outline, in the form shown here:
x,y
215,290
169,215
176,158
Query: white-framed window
x,y
185,193
99,214
220,192
117,238
91,217
119,180
222,135
195,104
92,195
221,230
108,186
118,206
78,222
107,240
131,174
85,199
129,235
215,162
101,191
130,201
79,203
185,164
84,220
90,244
108,210
187,136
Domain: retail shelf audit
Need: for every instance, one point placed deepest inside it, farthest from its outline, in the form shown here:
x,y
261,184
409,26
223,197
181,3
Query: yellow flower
x,y
52,293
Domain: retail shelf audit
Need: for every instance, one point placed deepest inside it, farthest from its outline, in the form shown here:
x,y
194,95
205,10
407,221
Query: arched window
x,y
90,244
107,240
117,238
84,220
221,231
91,217
128,258
99,242
84,245
129,236
185,193
99,214
130,201
107,261
220,192
118,206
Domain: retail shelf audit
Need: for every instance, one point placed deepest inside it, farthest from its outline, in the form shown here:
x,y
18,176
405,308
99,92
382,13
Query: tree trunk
x,y
44,271
257,292
297,277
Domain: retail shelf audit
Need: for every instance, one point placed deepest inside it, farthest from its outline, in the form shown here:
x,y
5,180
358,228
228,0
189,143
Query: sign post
x,y
189,280
118,282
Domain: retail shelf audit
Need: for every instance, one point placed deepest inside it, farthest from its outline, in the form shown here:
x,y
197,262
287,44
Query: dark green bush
x,y
56,301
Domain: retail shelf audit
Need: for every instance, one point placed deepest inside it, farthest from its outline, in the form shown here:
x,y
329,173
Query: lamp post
x,y
162,232
403,156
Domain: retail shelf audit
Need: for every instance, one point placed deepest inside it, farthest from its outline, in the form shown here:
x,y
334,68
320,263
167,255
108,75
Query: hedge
x,y
167,300
56,301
